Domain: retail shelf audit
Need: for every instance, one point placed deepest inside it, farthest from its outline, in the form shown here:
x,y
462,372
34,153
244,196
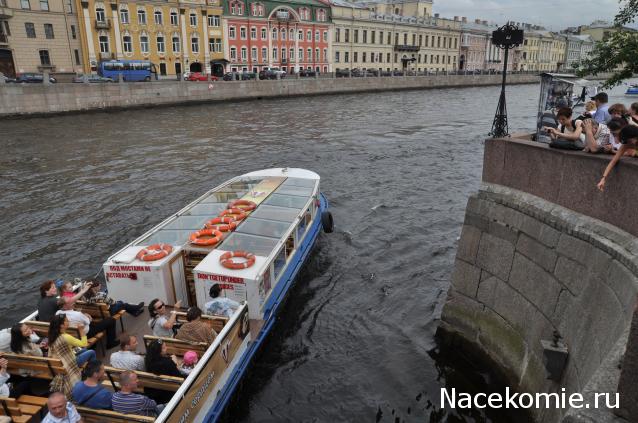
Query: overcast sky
x,y
553,14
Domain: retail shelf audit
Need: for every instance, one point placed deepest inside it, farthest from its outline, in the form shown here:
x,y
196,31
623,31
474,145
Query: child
x,y
190,360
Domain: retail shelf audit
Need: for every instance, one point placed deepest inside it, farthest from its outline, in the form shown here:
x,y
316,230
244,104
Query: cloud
x,y
552,14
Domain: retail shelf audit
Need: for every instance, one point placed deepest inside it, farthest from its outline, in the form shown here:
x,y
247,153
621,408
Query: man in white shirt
x,y
127,358
61,411
76,318
220,306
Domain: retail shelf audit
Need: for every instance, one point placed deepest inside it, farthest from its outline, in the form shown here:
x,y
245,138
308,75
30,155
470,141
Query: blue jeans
x,y
83,356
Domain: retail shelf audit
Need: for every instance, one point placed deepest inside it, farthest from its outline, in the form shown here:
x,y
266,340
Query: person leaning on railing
x,y
628,140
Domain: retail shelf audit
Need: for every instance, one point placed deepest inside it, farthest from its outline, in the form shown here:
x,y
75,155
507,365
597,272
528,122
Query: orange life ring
x,y
245,205
237,214
226,259
206,237
154,252
223,224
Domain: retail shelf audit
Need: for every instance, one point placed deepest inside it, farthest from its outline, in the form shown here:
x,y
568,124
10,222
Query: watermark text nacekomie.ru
x,y
512,400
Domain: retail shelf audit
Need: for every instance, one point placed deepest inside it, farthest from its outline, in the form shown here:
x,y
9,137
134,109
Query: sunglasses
x,y
159,306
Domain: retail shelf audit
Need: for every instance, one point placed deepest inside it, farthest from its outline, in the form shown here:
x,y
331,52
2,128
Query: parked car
x,y
93,78
342,73
372,72
31,77
271,73
198,76
235,76
308,73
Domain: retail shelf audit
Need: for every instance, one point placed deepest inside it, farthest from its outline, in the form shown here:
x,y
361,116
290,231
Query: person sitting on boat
x,y
602,109
127,357
49,302
220,306
629,140
59,348
597,136
19,386
162,323
189,362
77,318
90,392
126,401
96,295
24,341
196,330
157,361
61,410
82,354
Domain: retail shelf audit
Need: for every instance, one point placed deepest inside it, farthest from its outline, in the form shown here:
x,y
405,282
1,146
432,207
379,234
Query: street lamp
x,y
506,37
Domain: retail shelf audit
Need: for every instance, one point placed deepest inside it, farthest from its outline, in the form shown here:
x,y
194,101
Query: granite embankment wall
x,y
541,250
28,99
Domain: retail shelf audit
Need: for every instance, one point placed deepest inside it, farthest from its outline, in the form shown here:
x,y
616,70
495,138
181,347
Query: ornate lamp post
x,y
506,37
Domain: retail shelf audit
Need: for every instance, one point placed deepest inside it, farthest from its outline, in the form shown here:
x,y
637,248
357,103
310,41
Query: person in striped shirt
x,y
126,401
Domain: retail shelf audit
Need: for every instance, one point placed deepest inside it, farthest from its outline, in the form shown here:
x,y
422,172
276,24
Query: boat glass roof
x,y
270,228
168,236
209,210
299,182
187,222
224,197
282,214
259,245
295,190
289,201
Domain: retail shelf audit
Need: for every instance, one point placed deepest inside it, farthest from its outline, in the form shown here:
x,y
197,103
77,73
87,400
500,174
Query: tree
x,y
616,53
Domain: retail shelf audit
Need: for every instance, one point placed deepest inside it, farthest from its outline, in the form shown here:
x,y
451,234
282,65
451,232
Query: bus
x,y
131,70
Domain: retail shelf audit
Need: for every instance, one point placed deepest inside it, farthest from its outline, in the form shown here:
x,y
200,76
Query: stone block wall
x,y
542,250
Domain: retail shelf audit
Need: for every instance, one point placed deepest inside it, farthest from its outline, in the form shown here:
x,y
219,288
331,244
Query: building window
x,y
337,35
346,36
325,55
274,53
253,33
387,59
346,57
380,37
30,28
69,6
309,54
76,52
160,44
253,54
158,17
25,4
318,55
274,33
141,16
193,19
233,53
124,16
283,34
48,31
264,34
74,34
363,57
309,35
355,57
355,36
44,5
144,44
300,35
244,54
242,32
100,16
300,52
325,36
365,36
231,32
336,57
292,54
176,44
195,44
215,45
174,18
45,60
317,36
213,20
264,54
104,44
127,44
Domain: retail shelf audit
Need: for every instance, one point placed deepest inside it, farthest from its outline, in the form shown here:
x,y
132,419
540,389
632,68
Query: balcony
x,y
404,47
105,24
5,12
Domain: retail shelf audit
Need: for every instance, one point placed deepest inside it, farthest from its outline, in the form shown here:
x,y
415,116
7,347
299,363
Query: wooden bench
x,y
216,322
19,412
145,379
92,415
100,311
40,367
178,346
42,330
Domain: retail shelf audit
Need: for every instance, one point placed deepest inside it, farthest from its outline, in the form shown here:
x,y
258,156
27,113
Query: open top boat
x,y
250,235
632,90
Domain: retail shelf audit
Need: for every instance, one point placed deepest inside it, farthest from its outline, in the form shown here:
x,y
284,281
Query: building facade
x,y
474,45
38,36
176,36
365,37
287,35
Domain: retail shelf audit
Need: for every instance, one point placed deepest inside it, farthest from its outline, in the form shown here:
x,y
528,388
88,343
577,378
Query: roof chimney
x,y
464,19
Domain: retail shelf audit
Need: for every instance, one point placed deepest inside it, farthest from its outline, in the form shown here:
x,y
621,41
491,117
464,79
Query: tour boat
x,y
632,90
251,235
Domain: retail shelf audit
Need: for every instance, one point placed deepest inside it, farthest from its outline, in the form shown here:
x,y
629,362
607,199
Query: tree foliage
x,y
616,53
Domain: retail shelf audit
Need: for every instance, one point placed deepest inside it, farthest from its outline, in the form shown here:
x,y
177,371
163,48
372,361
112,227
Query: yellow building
x,y
176,36
530,52
38,36
558,52
598,30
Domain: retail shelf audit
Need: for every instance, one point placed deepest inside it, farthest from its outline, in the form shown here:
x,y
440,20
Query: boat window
x,y
293,190
271,228
279,263
301,227
258,245
206,209
265,285
187,222
300,182
282,214
308,216
290,245
223,197
170,236
287,201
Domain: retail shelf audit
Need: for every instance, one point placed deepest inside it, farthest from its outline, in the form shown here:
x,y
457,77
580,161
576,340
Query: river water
x,y
355,342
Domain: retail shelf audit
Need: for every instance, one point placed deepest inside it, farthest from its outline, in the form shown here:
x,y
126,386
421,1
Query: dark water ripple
x,y
355,342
